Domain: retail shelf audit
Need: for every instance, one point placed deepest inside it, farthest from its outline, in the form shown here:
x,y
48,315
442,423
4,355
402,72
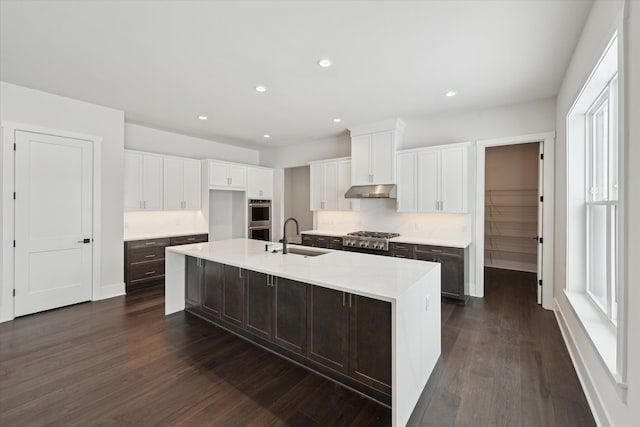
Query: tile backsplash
x,y
381,215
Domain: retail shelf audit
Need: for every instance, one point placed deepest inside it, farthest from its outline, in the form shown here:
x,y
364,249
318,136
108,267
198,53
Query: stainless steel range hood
x,y
384,191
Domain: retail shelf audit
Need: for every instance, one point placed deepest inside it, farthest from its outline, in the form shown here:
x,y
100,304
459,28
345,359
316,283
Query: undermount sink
x,y
304,252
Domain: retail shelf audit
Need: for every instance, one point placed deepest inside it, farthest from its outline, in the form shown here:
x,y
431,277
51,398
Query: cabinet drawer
x,y
308,239
401,250
149,253
186,240
335,243
147,243
146,270
438,250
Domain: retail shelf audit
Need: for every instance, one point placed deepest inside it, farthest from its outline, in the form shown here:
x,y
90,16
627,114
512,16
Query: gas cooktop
x,y
368,240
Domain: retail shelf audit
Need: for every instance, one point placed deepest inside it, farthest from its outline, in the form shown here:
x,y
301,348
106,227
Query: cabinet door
x,y
453,166
360,160
259,305
193,278
428,181
173,182
212,288
218,174
132,181
237,176
259,183
344,183
331,186
452,276
233,296
290,314
192,185
329,328
383,158
407,182
316,190
152,182
370,342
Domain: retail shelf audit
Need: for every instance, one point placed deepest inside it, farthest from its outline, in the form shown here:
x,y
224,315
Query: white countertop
x,y
133,235
383,278
454,242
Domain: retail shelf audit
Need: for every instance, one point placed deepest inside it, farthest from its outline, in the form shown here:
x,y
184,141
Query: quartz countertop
x,y
383,278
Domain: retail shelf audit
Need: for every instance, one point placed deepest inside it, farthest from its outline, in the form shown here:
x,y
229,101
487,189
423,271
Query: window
x,y
601,200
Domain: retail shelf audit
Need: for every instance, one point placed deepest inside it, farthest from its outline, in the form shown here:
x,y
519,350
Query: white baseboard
x,y
590,392
110,291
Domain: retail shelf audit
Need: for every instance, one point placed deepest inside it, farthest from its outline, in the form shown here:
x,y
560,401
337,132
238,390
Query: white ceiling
x,y
165,63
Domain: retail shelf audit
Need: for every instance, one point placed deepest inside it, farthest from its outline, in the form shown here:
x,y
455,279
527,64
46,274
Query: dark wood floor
x,y
122,362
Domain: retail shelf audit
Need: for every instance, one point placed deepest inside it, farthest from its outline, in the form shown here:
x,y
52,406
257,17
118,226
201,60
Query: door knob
x,y
85,241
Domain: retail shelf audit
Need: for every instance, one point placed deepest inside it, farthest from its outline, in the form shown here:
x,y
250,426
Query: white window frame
x,y
608,100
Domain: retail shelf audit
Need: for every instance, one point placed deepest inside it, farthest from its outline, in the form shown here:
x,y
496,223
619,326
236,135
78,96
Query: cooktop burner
x,y
373,234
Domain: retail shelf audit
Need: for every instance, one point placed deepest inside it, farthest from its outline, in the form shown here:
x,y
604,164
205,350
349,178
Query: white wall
x,y
297,191
510,120
28,106
605,18
144,138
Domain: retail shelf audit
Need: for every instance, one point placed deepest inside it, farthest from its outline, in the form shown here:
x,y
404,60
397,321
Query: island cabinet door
x,y
329,328
259,305
233,295
370,342
212,289
193,281
452,276
290,314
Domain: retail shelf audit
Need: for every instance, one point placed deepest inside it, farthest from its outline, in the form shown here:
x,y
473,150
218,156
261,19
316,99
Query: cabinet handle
x,y
150,243
148,273
435,250
240,273
150,256
350,300
343,299
230,181
191,238
441,205
140,204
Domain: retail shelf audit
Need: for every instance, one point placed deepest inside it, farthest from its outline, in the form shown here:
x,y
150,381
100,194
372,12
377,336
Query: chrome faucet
x,y
284,233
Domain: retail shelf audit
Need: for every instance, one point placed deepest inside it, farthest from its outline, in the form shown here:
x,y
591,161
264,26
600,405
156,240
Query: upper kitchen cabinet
x,y
231,176
373,157
434,179
259,183
142,181
329,181
181,184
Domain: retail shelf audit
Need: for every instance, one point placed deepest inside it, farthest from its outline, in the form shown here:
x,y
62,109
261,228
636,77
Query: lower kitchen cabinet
x,y
325,242
342,335
259,304
370,342
212,288
233,293
454,269
290,314
144,259
329,328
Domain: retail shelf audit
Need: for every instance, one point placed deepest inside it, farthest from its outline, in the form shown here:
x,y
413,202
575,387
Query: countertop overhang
x,y
383,278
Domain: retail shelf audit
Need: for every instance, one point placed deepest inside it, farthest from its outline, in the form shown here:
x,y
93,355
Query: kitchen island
x,y
371,323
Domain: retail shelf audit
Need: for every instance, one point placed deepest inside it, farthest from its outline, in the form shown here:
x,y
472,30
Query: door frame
x,y
7,284
547,140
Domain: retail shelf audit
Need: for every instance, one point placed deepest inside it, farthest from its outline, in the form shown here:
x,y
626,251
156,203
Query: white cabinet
x,y
142,182
259,183
407,182
227,175
434,179
329,181
181,184
373,159
373,156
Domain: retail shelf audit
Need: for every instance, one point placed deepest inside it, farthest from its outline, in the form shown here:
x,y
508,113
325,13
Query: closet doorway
x,y
512,198
514,211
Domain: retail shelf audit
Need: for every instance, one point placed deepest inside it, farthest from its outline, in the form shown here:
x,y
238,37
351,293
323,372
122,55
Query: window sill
x,y
600,332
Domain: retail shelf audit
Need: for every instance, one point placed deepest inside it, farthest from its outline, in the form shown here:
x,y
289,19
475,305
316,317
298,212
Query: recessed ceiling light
x,y
266,135
261,88
202,117
451,93
337,120
325,63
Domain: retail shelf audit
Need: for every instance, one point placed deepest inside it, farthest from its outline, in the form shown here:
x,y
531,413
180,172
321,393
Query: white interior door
x,y
540,221
53,222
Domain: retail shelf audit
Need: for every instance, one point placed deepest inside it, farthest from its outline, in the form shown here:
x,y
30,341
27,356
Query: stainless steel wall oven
x,y
260,219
